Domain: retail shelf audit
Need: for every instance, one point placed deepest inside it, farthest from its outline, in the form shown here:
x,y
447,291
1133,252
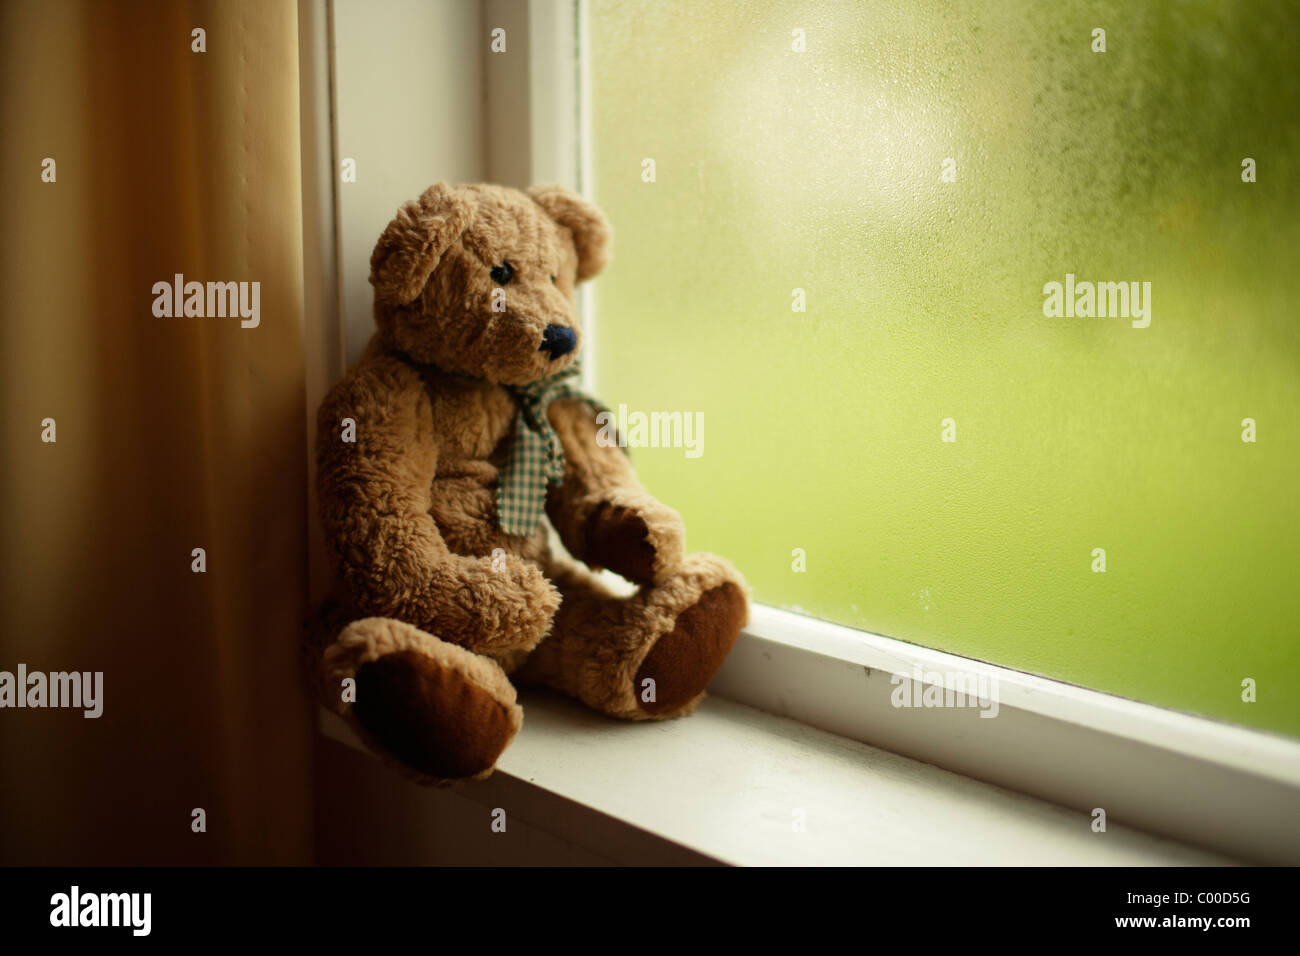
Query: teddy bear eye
x,y
502,274
552,278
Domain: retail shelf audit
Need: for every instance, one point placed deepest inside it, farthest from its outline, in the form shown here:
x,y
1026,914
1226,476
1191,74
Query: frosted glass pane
x,y
823,170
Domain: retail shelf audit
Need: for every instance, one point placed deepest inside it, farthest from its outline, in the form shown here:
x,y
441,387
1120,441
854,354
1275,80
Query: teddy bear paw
x,y
681,663
433,717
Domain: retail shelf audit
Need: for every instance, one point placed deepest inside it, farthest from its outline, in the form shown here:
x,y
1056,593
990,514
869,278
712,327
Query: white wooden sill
x,y
1199,782
797,783
731,784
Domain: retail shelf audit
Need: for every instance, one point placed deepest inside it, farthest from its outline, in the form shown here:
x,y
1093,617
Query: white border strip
x,y
1253,751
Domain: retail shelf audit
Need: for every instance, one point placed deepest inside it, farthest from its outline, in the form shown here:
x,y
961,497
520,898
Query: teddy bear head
x,y
481,279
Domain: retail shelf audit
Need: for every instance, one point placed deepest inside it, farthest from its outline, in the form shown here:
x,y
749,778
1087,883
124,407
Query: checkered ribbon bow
x,y
536,459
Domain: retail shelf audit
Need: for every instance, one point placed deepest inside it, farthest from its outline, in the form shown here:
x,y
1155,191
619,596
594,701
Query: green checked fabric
x,y
536,459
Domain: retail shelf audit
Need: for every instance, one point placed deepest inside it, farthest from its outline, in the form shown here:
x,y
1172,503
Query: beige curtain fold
x,y
172,433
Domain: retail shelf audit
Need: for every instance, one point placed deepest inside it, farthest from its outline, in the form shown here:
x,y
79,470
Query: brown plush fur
x,y
422,617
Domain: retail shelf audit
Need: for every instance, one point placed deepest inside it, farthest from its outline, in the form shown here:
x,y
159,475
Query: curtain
x,y
171,433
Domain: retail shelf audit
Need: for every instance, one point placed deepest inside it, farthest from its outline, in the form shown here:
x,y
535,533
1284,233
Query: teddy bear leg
x,y
644,657
435,710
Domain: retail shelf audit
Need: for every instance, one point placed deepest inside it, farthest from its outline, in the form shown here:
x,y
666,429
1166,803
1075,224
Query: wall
x,y
409,110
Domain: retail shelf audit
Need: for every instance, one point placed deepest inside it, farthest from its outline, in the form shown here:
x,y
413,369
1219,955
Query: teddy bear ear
x,y
409,249
591,231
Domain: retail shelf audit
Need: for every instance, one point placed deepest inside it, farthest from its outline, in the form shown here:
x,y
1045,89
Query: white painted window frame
x,y
1200,781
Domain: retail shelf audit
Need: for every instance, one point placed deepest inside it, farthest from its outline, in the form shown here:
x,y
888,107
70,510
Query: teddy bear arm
x,y
375,461
374,488
601,511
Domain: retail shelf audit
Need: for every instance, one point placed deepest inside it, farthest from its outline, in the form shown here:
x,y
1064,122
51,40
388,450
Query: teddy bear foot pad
x,y
684,660
432,717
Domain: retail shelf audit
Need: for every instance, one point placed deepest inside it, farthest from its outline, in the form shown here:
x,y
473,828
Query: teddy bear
x,y
467,495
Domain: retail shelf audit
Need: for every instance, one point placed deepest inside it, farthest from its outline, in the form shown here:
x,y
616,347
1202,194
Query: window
x,y
1104,501
920,174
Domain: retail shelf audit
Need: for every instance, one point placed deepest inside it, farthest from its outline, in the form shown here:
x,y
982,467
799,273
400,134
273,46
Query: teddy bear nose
x,y
558,340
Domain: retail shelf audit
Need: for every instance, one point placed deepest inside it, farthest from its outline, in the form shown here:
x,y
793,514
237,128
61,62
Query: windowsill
x,y
728,782
1198,782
